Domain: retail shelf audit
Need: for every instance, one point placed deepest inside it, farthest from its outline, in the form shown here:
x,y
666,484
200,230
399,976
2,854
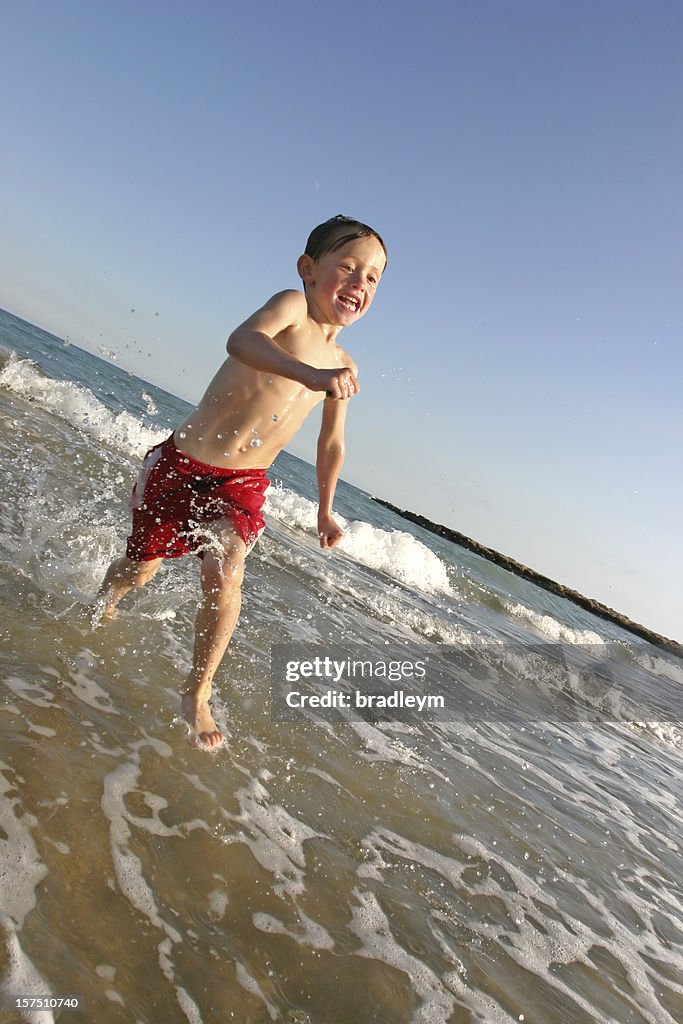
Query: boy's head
x,y
341,268
335,233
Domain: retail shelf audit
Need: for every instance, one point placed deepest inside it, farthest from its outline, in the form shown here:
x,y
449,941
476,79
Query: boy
x,y
202,490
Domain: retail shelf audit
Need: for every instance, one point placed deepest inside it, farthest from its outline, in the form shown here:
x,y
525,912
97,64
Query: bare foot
x,y
197,714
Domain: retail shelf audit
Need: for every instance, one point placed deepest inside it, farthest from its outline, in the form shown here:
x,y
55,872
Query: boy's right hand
x,y
336,383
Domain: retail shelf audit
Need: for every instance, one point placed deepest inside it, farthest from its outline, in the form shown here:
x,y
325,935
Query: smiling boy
x,y
203,489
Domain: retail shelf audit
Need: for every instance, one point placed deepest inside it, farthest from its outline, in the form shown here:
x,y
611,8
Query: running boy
x,y
202,490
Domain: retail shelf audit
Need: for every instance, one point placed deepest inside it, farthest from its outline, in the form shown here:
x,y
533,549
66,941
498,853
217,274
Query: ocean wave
x,y
666,732
658,664
79,407
394,553
551,627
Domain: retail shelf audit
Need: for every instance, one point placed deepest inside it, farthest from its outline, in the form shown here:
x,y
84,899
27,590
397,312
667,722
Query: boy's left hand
x,y
329,532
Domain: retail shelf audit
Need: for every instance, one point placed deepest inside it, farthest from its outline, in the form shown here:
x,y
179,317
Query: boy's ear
x,y
305,266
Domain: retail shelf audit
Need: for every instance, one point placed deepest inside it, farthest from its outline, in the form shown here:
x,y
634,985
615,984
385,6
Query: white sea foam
x,y
659,665
371,925
128,866
398,555
132,883
552,628
665,732
275,838
394,553
79,407
31,691
565,938
21,869
434,627
250,984
23,979
84,687
21,872
311,934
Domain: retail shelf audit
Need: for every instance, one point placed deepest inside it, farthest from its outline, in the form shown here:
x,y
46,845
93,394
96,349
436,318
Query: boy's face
x,y
341,285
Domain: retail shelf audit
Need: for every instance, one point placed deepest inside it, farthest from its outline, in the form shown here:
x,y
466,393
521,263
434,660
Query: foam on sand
x,y
21,872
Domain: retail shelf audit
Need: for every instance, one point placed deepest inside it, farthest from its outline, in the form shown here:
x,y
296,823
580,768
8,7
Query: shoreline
x,y
595,607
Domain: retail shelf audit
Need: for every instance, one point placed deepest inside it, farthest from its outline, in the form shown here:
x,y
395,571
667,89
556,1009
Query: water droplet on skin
x,y
256,443
235,432
182,435
275,417
227,454
219,436
254,430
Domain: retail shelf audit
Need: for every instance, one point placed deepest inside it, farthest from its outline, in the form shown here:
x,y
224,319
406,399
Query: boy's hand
x,y
336,383
328,531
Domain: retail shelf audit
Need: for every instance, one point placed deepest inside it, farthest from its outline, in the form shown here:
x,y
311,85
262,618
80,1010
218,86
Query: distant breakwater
x,y
601,610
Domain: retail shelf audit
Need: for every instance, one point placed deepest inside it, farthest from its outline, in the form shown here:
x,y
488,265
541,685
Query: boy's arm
x,y
329,461
253,344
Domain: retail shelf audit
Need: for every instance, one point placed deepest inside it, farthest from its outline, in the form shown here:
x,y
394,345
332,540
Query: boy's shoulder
x,y
291,301
281,312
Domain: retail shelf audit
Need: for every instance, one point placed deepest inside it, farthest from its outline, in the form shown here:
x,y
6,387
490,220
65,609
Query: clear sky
x,y
521,367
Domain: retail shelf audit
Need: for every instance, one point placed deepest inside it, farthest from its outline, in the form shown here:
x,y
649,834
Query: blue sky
x,y
521,366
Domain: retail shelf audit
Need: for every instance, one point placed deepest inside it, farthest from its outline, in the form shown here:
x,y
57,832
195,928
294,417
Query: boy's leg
x,y
122,575
222,575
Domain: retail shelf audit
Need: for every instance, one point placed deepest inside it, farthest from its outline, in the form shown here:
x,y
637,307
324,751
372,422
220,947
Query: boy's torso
x,y
246,416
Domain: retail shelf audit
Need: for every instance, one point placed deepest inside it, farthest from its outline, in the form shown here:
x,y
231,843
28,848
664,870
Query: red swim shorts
x,y
175,496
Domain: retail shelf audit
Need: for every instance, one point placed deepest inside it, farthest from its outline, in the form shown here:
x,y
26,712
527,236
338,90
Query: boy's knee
x,y
232,570
224,573
139,573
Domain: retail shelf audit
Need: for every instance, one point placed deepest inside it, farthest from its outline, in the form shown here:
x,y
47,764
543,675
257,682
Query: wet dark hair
x,y
335,232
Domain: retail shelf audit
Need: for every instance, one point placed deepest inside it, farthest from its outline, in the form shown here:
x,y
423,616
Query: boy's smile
x,y
341,285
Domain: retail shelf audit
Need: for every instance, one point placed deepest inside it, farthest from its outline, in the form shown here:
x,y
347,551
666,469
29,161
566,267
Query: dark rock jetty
x,y
601,610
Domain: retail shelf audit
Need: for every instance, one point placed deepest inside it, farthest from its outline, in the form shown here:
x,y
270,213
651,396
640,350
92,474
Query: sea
x,y
513,856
